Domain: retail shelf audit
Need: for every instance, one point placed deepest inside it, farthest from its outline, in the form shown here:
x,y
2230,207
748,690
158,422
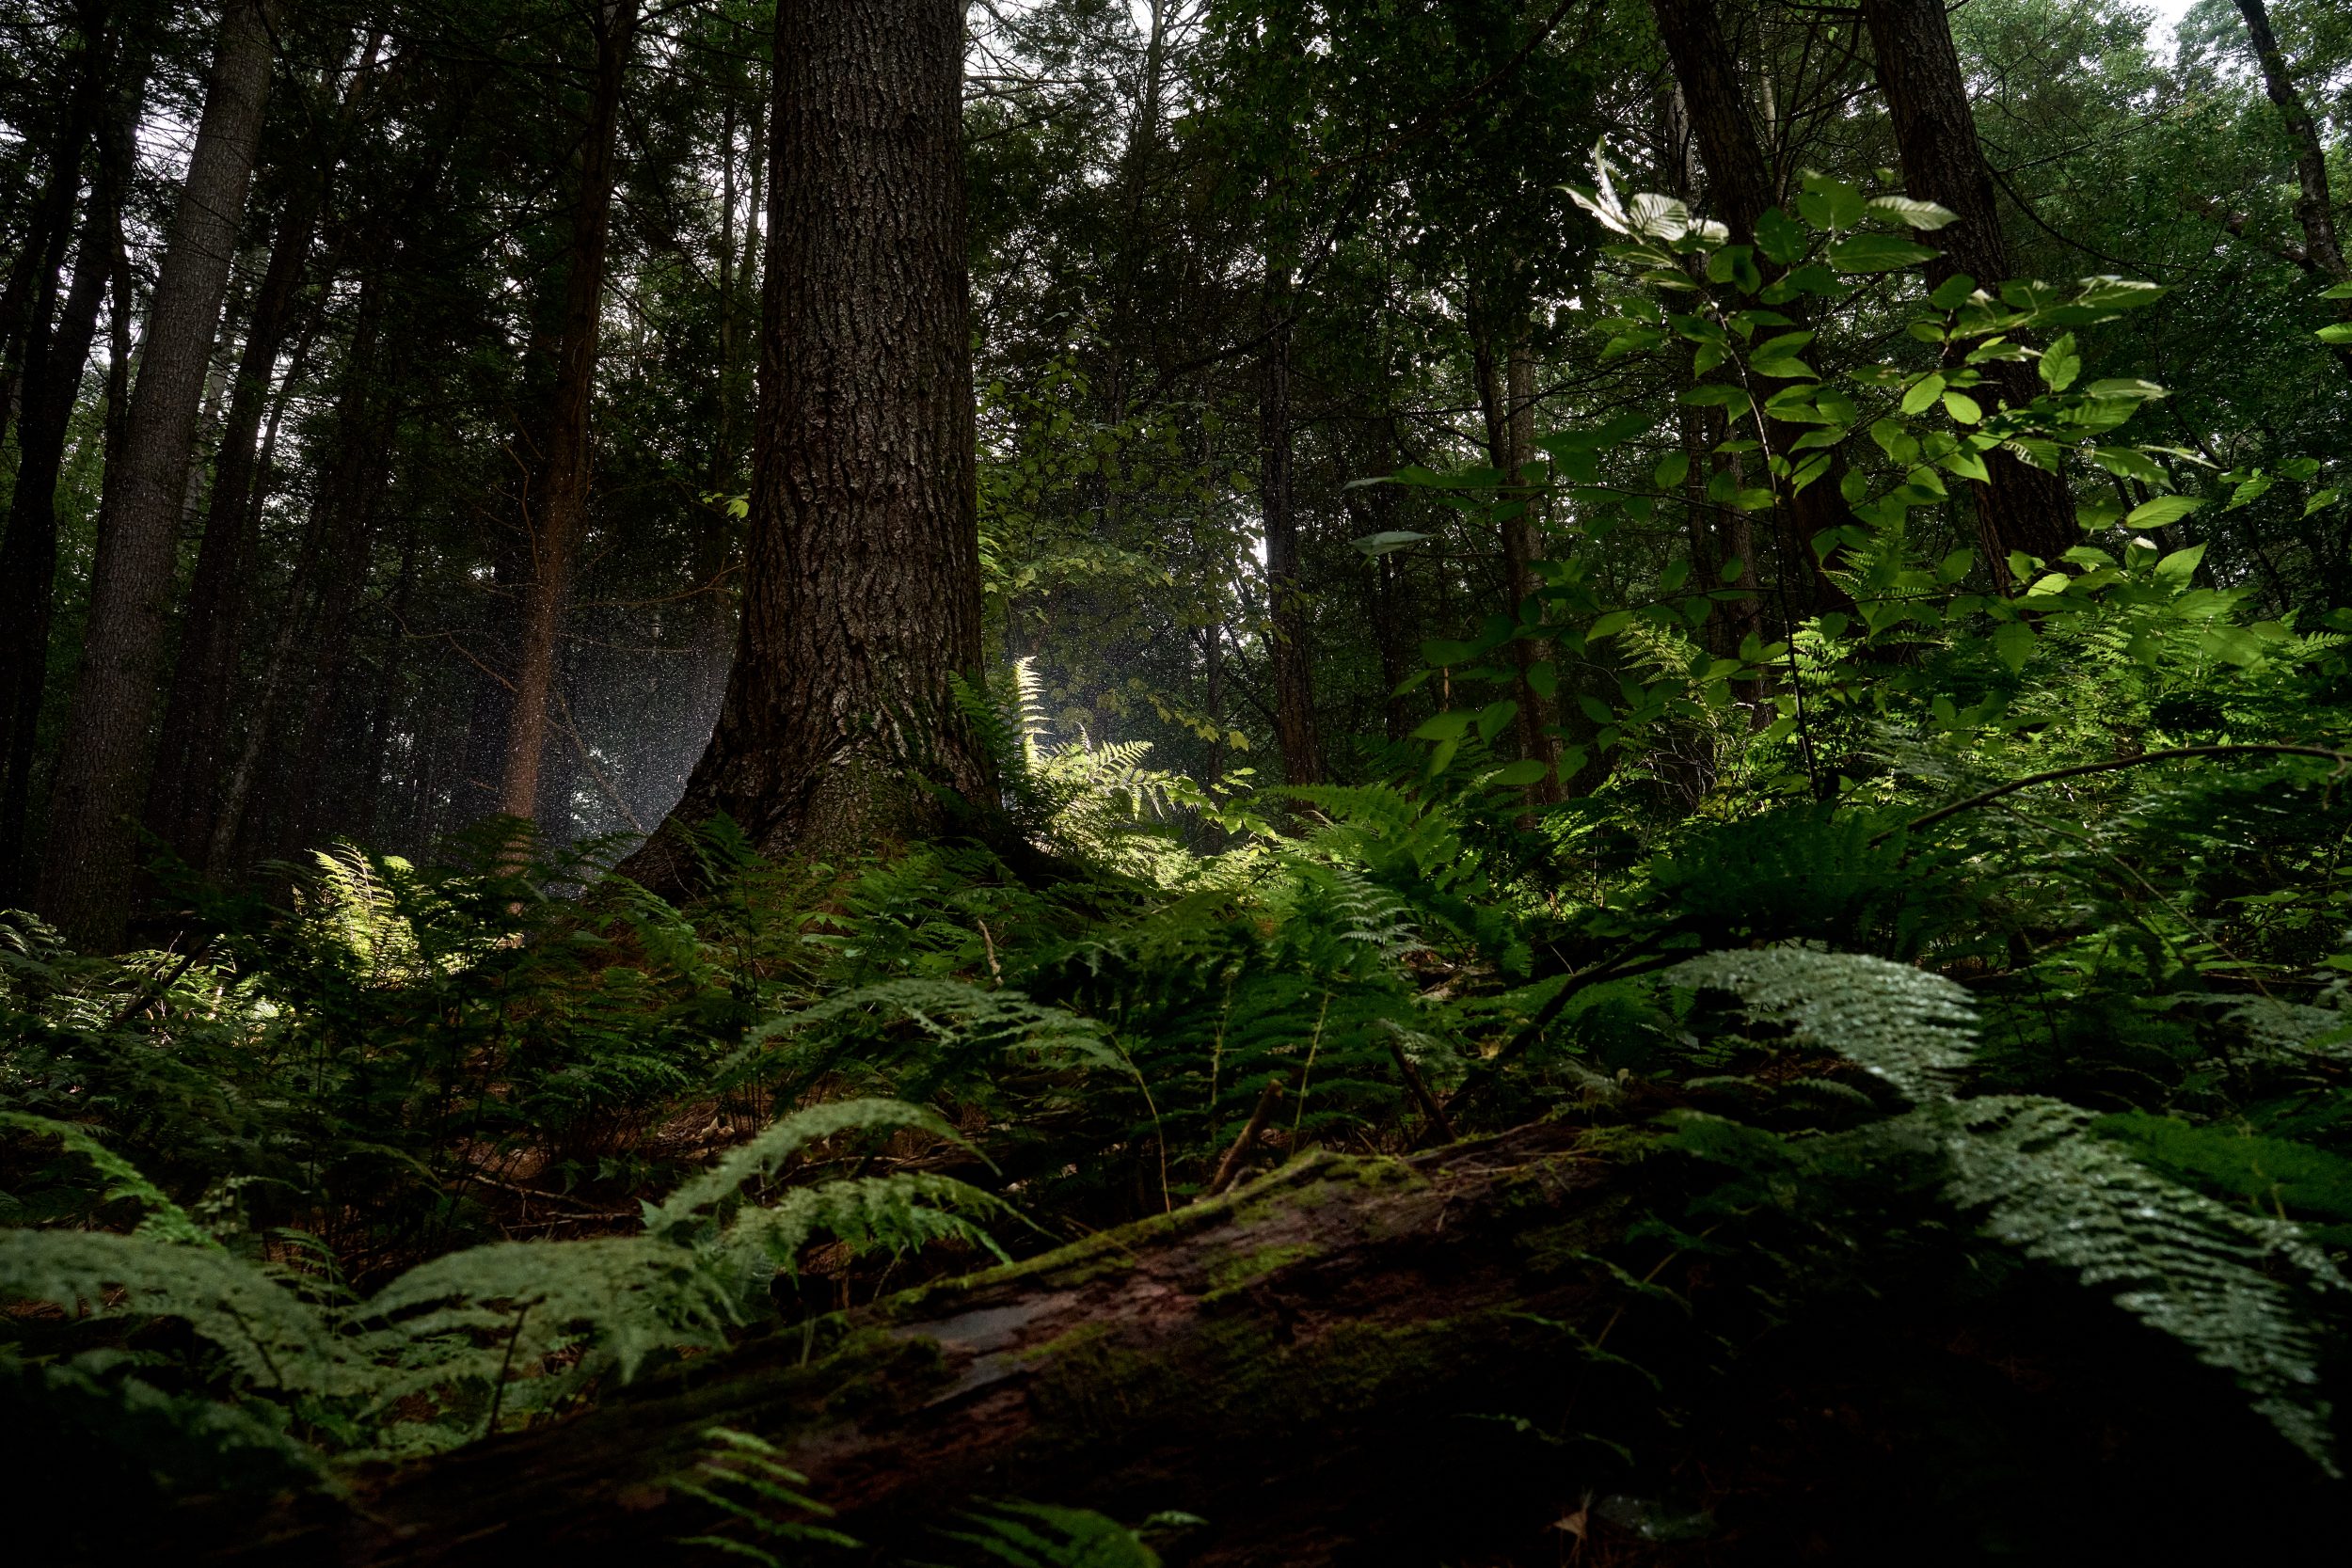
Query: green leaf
x,y
2162,510
2340,290
1382,543
2320,499
1527,771
2340,333
1963,409
1911,211
2180,564
1543,678
2013,642
1493,717
1672,469
1923,393
1877,253
2060,364
1448,725
1780,237
1831,205
1714,395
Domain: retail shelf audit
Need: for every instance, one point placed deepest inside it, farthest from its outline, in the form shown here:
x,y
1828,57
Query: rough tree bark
x,y
840,731
101,764
2316,205
555,515
1286,605
2019,507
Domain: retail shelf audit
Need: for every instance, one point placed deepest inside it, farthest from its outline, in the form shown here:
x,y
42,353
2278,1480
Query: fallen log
x,y
1375,1361
1226,1360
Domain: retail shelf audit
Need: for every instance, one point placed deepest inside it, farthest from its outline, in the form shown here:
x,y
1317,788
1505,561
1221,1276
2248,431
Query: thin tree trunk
x,y
2019,507
840,733
49,381
1286,605
101,779
556,518
2315,206
1740,189
1521,550
190,758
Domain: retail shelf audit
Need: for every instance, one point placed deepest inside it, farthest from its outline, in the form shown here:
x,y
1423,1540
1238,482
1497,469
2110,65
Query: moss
x,y
1230,1275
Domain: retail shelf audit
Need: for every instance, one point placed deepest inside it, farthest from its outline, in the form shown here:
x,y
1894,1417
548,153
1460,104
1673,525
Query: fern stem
x,y
2342,761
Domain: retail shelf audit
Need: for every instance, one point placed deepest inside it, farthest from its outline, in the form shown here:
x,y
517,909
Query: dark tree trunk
x,y
2021,507
192,756
840,733
555,516
1740,187
101,764
2316,205
1286,604
48,361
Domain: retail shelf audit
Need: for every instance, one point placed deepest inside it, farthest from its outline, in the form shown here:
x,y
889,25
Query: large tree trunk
x,y
1286,604
840,731
2019,507
2315,206
1274,1360
556,516
101,764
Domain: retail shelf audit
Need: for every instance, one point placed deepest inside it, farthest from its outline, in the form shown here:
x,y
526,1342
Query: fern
x,y
2178,1261
2047,1185
1911,1028
742,1476
479,1315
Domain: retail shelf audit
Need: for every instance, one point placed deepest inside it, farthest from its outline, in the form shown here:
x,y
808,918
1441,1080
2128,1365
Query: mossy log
x,y
1280,1361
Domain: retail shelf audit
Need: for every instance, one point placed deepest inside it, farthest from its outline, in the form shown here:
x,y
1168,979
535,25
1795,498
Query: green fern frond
x,y
1897,1022
758,1157
896,1213
2180,1263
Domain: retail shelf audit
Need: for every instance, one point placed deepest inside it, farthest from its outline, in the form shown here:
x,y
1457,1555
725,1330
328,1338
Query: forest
x,y
925,784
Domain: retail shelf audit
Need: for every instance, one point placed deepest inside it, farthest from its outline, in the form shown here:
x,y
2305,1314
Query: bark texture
x,y
101,764
1275,1359
2019,507
556,516
840,731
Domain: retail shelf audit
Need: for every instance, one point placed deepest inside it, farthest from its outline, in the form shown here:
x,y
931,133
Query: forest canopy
x,y
1111,781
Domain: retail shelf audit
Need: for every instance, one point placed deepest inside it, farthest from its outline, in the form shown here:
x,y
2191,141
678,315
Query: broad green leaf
x,y
1448,725
2162,510
1923,393
1494,716
1877,253
1672,470
2060,364
1914,212
2340,333
1831,205
1527,771
1963,409
2320,499
2013,642
1382,543
2180,564
1780,237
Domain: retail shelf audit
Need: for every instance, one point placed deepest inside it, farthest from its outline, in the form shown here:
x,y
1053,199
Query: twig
x,y
2342,760
149,994
1430,1108
1231,1166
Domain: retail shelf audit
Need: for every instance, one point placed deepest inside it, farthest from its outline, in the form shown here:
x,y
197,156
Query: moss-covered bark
x,y
1329,1319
